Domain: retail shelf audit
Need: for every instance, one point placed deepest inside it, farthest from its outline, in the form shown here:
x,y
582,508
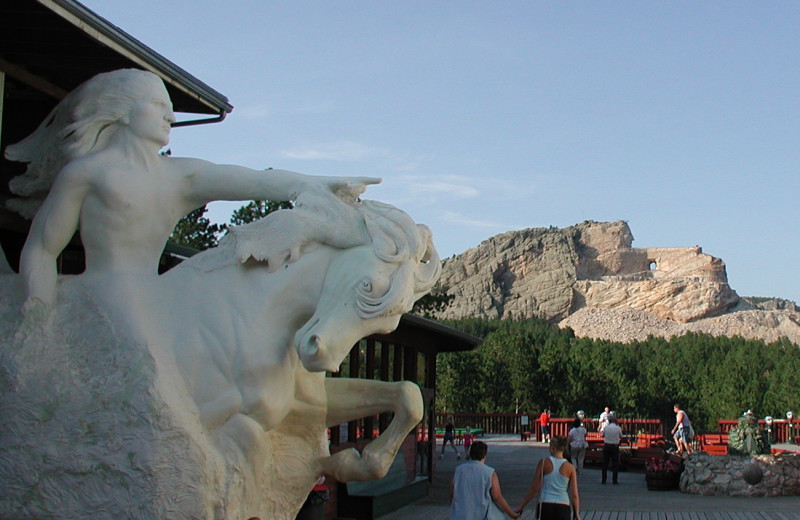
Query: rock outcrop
x,y
590,278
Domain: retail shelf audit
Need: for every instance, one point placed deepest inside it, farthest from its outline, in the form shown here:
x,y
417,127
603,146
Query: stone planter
x,y
750,476
661,481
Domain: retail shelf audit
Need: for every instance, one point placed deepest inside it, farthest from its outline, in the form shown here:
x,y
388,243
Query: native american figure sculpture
x,y
199,393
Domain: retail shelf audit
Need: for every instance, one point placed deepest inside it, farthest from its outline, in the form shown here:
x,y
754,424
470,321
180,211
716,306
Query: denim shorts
x,y
682,434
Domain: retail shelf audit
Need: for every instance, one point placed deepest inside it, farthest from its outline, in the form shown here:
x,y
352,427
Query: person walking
x,y
467,440
475,489
612,436
682,431
577,444
449,436
558,482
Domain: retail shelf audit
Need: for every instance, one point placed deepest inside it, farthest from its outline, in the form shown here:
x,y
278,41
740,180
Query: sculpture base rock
x,y
93,427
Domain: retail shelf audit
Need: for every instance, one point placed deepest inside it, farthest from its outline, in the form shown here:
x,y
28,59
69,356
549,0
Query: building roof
x,y
55,45
430,336
49,47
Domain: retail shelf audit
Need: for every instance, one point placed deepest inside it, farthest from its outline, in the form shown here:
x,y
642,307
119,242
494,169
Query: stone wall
x,y
728,475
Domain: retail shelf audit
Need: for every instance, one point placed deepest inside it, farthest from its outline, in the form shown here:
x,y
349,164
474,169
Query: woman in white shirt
x,y
558,482
577,444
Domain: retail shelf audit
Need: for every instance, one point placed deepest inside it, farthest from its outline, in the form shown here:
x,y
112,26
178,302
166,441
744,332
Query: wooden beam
x,y
32,80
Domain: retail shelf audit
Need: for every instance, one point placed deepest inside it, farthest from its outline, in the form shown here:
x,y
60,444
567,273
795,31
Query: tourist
x,y
682,431
544,425
467,440
577,444
449,436
601,423
557,480
475,489
612,436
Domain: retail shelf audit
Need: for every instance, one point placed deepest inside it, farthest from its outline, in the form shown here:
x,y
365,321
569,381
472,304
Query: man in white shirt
x,y
603,419
612,436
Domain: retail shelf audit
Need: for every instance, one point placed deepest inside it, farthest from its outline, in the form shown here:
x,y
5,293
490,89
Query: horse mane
x,y
280,238
320,217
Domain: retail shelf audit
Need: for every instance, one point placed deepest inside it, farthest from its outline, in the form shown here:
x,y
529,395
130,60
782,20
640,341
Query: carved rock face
x,y
589,278
551,273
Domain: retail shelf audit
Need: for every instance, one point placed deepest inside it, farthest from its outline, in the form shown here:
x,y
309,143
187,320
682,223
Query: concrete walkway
x,y
515,461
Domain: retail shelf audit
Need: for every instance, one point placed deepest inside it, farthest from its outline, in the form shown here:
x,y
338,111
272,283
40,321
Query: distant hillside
x,y
590,278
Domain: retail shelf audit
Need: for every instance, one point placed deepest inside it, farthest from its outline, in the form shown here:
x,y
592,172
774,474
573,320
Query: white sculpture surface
x,y
200,393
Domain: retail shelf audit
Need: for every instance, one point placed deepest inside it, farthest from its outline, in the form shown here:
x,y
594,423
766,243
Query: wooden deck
x,y
515,461
668,515
441,513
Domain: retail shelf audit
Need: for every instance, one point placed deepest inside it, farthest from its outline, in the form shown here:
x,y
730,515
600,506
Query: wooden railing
x,y
781,431
504,423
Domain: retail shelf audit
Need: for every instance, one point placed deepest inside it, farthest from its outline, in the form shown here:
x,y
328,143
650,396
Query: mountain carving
x,y
590,278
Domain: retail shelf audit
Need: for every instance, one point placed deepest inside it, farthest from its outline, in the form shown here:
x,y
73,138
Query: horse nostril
x,y
313,344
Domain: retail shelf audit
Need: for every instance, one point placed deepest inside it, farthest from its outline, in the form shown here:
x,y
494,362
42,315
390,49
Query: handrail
x,y
504,423
781,430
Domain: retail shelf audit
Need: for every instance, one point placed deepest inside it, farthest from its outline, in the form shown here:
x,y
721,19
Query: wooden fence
x,y
516,423
781,430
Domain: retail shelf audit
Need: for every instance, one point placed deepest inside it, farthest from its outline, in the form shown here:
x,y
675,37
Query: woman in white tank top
x,y
558,482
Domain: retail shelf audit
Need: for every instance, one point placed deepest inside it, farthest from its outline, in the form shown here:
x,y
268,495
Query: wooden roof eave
x,y
429,336
31,24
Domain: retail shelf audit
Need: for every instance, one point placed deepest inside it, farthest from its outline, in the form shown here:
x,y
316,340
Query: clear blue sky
x,y
682,118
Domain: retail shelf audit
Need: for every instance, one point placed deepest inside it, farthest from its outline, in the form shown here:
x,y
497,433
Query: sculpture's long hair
x,y
82,123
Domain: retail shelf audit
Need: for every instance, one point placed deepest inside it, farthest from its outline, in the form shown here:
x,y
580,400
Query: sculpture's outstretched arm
x,y
350,399
209,182
51,230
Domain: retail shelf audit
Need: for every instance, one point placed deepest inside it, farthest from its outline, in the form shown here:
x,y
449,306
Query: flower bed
x,y
662,474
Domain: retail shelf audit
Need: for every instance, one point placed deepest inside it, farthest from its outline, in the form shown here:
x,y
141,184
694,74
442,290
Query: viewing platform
x,y
515,461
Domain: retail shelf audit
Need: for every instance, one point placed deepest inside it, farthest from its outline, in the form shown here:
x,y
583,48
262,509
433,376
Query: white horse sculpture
x,y
221,409
286,299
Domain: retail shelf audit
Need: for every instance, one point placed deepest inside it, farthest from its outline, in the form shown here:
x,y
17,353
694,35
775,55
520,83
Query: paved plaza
x,y
515,461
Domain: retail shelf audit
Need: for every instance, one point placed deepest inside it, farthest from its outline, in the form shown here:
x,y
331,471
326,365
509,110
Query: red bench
x,y
594,438
649,440
714,443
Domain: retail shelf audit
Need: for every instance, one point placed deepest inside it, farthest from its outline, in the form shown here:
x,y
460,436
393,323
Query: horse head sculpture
x,y
400,265
388,264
